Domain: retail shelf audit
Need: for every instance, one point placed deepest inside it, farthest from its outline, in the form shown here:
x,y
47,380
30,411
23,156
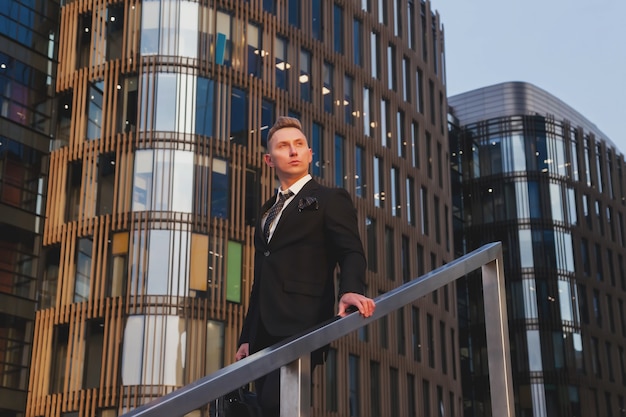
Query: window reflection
x,y
94,110
154,351
282,64
163,180
170,27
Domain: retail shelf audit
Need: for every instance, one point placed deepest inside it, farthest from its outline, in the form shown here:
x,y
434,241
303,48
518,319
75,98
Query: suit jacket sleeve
x,y
345,243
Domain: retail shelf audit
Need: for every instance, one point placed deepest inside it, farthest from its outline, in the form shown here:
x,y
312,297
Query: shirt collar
x,y
297,186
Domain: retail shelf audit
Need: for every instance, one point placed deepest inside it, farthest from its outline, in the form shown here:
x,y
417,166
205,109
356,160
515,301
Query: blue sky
x,y
573,49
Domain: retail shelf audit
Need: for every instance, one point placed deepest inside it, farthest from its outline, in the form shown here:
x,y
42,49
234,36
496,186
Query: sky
x,y
573,49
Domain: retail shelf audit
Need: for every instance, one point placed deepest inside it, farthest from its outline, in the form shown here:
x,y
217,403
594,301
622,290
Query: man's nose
x,y
293,150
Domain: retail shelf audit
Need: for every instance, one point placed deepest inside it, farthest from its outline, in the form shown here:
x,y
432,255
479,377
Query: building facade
x,y
27,73
156,179
531,172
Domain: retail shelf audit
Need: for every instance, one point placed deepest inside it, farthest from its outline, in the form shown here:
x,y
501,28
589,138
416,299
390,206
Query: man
x,y
297,247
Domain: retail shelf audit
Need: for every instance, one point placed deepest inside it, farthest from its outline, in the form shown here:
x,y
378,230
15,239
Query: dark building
x,y
156,178
28,44
531,172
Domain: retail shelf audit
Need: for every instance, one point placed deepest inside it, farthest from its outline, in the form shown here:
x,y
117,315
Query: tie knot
x,y
284,196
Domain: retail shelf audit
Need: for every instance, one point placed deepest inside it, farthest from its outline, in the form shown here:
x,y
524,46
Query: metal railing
x,y
293,355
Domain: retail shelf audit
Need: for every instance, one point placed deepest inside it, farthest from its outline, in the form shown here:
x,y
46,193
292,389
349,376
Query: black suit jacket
x,y
293,287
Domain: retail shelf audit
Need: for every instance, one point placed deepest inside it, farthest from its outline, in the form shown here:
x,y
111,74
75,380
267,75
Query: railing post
x,y
497,330
295,388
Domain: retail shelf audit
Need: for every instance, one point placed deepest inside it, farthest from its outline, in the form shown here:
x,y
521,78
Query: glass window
x,y
154,349
317,141
382,12
105,183
50,278
94,338
223,39
294,12
330,385
391,253
416,334
394,391
340,170
410,200
392,81
368,124
219,189
379,183
82,279
348,100
59,358
316,19
305,75
412,29
170,174
375,389
267,119
359,174
114,31
239,117
269,6
385,125
170,28
396,206
401,333
168,263
256,54
375,55
406,81
401,140
372,250
205,111
84,41
424,205
338,28
430,340
94,110
16,341
171,97
419,91
127,96
282,64
357,42
444,347
426,398
327,89
354,389
233,268
437,215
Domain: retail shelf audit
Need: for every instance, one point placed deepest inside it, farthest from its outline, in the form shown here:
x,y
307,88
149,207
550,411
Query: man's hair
x,y
283,122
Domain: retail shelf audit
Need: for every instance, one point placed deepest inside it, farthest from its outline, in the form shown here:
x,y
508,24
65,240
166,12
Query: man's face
x,y
289,153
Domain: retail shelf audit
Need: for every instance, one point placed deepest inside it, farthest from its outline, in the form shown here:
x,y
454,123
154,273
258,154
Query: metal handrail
x,y
292,355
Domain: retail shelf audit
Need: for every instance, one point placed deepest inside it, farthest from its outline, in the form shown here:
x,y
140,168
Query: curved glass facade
x,y
156,179
552,192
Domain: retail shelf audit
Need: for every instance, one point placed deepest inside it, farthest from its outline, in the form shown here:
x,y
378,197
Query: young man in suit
x,y
297,247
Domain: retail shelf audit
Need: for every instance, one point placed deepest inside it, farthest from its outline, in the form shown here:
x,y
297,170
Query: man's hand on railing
x,y
243,351
365,305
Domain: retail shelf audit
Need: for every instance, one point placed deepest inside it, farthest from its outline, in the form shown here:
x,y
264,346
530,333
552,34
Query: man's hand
x,y
366,306
244,350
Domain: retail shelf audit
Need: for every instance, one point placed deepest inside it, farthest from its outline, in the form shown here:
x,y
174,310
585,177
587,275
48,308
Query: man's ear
x,y
268,159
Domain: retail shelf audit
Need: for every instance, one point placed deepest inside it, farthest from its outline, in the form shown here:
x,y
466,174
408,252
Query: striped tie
x,y
273,212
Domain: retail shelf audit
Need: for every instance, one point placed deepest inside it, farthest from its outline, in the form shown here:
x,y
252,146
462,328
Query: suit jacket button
x,y
266,253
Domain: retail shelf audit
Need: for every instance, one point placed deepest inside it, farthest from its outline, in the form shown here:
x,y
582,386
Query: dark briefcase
x,y
238,403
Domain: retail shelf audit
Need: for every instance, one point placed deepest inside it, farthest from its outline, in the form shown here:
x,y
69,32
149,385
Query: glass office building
x,y
531,172
28,44
156,178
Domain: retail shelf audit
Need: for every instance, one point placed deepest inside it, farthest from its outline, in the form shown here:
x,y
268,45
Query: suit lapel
x,y
292,207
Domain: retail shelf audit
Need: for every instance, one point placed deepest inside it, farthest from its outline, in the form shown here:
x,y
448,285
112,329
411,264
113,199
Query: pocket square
x,y
308,203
